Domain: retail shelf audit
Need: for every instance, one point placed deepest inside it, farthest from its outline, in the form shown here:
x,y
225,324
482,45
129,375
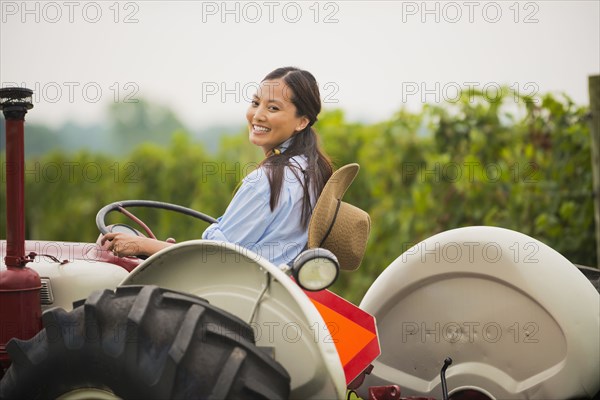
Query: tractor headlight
x,y
315,269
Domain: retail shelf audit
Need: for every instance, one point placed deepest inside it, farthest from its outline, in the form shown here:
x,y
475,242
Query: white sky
x,y
369,57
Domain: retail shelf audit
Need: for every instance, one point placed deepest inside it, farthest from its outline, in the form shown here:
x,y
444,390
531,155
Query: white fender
x,y
518,319
232,278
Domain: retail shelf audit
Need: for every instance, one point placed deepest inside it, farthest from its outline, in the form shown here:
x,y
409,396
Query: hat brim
x,y
328,206
348,236
324,210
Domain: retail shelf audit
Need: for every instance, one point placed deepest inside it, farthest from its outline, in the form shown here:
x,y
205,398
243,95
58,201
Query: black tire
x,y
143,342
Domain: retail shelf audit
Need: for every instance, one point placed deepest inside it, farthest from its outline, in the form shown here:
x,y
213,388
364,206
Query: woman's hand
x,y
122,244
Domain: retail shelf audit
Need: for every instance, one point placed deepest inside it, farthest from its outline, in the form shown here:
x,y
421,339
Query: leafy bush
x,y
512,162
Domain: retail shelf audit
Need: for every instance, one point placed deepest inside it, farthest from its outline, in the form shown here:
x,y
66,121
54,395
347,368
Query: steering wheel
x,y
120,206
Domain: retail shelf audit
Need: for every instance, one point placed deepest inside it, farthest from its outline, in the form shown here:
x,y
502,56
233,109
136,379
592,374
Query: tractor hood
x,y
70,271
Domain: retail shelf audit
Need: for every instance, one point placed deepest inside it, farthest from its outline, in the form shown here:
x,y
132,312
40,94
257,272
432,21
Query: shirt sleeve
x,y
248,215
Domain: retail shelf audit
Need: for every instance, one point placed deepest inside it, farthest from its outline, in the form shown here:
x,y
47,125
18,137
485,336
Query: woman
x,y
269,214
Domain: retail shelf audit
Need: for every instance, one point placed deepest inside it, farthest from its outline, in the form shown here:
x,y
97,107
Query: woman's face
x,y
272,116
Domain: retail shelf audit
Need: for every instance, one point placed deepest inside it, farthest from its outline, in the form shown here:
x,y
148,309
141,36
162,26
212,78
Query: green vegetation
x,y
515,162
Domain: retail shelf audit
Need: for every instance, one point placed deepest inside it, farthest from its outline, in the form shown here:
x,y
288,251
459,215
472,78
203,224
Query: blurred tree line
x,y
512,161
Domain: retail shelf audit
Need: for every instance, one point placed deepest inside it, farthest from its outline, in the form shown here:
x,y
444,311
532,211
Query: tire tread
x,y
174,345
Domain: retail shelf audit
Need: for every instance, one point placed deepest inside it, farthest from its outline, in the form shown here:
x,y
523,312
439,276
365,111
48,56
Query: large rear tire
x,y
143,342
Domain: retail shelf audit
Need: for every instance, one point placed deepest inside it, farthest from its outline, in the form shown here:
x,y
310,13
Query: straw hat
x,y
338,226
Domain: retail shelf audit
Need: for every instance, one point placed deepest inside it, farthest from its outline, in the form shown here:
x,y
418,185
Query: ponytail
x,y
317,172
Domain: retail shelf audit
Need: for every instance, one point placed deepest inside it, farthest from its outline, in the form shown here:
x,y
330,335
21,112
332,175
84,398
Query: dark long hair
x,y
305,96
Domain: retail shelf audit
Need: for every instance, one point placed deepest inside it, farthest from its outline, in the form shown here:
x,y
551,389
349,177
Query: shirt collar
x,y
284,146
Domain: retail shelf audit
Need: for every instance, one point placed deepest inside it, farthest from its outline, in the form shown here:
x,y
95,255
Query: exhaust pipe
x,y
20,307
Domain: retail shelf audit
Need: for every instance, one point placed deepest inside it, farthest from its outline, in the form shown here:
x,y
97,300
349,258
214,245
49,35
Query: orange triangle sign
x,y
351,329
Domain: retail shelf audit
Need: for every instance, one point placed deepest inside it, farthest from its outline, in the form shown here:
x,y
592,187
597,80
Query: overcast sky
x,y
203,59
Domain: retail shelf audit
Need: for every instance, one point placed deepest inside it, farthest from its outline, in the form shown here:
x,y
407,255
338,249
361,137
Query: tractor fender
x,y
519,320
237,280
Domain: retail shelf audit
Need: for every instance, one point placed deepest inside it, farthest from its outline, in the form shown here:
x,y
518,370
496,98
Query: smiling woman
x,y
272,117
270,211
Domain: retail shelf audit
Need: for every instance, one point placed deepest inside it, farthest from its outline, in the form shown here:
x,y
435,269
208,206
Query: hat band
x,y
337,209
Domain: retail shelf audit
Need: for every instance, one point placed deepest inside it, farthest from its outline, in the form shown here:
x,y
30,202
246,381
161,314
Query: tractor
x,y
471,313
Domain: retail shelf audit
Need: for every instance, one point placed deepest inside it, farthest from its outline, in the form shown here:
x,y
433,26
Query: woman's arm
x,y
122,244
245,222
